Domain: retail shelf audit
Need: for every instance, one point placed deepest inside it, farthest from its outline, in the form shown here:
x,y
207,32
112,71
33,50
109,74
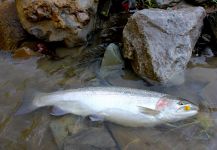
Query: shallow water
x,y
39,130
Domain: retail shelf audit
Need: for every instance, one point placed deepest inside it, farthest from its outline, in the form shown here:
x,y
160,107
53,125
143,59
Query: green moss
x,y
150,4
209,3
12,145
7,94
4,123
214,1
205,121
147,4
70,73
4,84
26,132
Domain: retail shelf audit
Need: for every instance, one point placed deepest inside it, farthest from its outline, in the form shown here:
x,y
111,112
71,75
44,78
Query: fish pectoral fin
x,y
148,111
56,111
96,118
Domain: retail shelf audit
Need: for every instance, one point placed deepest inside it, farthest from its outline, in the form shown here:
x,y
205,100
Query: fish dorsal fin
x,y
148,111
56,111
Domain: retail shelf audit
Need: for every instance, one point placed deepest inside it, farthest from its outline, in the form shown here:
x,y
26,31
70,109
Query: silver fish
x,y
124,106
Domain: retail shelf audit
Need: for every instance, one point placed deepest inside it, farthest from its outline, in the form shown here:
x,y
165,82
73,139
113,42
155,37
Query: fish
x,y
124,106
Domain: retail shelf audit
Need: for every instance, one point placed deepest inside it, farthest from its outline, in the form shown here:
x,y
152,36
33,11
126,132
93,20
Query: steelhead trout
x,y
124,106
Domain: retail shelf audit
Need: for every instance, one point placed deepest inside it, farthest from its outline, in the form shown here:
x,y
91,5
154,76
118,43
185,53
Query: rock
x,y
71,132
159,43
11,31
112,29
138,138
209,94
202,43
23,52
200,75
112,60
207,52
63,127
91,139
166,3
194,61
112,56
53,20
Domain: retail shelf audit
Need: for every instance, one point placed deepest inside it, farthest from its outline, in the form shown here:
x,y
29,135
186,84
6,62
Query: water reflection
x,y
39,130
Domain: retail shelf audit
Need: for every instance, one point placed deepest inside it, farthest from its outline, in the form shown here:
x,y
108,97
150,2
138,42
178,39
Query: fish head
x,y
179,109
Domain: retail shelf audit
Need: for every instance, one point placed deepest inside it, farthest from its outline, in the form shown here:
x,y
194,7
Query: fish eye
x,y
181,103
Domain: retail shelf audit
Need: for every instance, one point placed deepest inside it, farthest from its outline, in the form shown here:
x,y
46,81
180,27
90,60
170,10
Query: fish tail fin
x,y
28,105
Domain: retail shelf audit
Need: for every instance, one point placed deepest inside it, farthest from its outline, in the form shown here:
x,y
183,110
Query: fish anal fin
x,y
56,111
148,111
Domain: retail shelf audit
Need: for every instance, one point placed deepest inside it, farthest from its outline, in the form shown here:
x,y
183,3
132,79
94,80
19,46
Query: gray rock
x,y
209,94
112,60
112,56
72,132
91,139
199,74
52,20
138,138
159,43
198,61
166,3
65,126
207,52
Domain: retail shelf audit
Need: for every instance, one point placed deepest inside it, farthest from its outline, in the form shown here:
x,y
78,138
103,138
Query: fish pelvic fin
x,y
56,111
148,111
28,105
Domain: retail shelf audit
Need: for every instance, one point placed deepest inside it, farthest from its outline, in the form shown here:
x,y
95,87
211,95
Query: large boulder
x,y
159,43
12,33
54,20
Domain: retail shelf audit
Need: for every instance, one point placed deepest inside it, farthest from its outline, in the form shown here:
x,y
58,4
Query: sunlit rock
x,y
159,43
53,20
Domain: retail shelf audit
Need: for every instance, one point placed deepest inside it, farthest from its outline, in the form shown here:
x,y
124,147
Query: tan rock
x,y
23,52
54,20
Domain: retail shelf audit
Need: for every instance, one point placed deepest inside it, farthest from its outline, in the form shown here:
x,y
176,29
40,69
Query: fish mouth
x,y
187,114
191,108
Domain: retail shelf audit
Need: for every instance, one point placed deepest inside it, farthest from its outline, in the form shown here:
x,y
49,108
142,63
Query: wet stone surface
x,y
39,130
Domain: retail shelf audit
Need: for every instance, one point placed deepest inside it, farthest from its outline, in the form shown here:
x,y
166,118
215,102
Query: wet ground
x,y
39,130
